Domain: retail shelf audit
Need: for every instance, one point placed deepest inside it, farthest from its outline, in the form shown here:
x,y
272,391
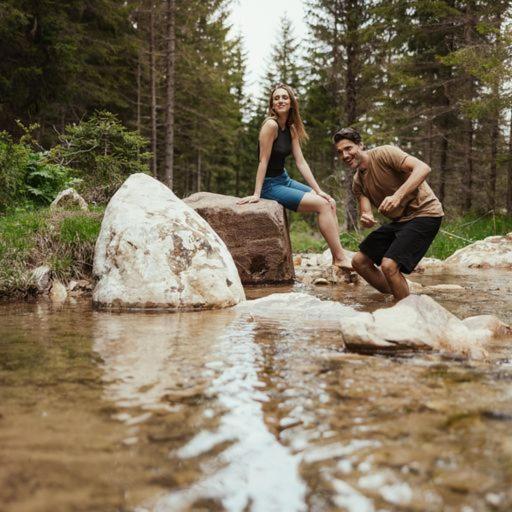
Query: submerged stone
x,y
416,322
155,252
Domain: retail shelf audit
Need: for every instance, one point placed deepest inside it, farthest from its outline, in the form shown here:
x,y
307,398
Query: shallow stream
x,y
205,411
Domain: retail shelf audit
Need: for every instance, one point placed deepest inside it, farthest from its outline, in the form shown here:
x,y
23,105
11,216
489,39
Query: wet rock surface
x,y
155,252
256,235
417,322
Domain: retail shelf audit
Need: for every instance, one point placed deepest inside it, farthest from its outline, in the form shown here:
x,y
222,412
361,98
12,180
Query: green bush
x,y
13,168
103,153
44,180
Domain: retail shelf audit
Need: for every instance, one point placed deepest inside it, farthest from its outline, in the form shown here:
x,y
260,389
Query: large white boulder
x,y
417,322
154,251
491,252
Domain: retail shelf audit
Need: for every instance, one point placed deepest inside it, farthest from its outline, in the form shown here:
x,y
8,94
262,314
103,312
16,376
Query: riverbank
x,y
64,241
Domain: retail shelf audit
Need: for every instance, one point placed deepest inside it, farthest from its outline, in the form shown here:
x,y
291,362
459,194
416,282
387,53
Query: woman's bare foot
x,y
344,264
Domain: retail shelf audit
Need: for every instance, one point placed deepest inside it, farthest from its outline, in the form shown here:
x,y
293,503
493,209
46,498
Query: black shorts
x,y
403,242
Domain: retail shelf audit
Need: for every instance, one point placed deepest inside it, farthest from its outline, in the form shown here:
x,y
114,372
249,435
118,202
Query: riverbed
x,y
208,411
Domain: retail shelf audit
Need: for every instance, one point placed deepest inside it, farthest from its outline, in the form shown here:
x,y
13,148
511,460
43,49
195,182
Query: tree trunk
x,y
169,101
352,50
199,162
509,169
468,157
442,167
152,82
493,166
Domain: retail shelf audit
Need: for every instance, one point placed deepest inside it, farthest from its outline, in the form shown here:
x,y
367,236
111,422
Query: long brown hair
x,y
294,120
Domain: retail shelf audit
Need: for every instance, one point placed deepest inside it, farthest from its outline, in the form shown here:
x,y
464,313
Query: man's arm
x,y
365,210
418,171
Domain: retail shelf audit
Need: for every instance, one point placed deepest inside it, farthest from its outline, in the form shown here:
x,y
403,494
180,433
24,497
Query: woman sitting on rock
x,y
282,133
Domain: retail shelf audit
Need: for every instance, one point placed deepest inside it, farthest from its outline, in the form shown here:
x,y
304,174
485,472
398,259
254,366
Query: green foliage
x,y
26,176
60,60
102,153
62,240
304,238
79,229
45,180
14,159
462,231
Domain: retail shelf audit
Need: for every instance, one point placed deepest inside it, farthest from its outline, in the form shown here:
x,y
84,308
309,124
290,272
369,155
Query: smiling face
x,y
351,153
281,101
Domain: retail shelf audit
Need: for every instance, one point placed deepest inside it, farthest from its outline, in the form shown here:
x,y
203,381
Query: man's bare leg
x,y
365,267
395,279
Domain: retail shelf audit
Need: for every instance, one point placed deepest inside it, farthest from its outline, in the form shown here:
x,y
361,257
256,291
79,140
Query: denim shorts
x,y
284,190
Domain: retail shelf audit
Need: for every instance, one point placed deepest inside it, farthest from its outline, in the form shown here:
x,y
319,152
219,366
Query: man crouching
x,y
394,182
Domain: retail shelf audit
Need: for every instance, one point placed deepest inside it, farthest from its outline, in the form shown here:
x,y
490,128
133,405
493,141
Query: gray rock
x,y
42,277
58,292
69,198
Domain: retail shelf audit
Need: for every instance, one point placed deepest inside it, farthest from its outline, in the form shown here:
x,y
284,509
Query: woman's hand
x,y
249,199
328,198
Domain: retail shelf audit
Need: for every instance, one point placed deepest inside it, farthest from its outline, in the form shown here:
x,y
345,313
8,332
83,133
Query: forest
x,y
93,90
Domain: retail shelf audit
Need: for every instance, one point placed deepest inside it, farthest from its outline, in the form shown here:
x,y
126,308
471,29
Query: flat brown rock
x,y
256,235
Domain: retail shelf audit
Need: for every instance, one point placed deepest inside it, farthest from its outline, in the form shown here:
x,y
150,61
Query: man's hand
x,y
367,220
248,199
389,204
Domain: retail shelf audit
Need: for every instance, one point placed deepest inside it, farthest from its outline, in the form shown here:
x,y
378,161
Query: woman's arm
x,y
268,134
304,169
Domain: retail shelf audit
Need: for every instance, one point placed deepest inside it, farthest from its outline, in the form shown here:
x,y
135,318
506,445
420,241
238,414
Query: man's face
x,y
350,152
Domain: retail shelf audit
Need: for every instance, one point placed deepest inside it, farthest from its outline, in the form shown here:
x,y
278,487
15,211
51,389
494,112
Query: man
x,y
394,182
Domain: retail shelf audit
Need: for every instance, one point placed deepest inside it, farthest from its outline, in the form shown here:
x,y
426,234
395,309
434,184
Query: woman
x,y
281,134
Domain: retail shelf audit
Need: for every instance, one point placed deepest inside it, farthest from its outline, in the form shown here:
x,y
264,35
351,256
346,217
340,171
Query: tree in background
x,y
61,60
344,61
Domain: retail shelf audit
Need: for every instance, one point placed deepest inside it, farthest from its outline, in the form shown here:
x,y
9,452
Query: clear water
x,y
205,411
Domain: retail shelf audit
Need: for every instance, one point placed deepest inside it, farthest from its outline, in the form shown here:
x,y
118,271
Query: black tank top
x,y
281,148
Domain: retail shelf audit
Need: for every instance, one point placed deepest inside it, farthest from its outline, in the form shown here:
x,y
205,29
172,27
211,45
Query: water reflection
x,y
157,362
211,411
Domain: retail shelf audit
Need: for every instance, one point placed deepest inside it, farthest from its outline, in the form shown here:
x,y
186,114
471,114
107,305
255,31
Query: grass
x,y
454,234
63,240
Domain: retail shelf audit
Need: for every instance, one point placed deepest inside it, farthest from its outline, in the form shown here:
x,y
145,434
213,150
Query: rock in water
x,y
42,278
491,252
154,251
256,235
416,322
58,292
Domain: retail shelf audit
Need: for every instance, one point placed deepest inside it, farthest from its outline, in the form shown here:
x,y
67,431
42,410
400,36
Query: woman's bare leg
x,y
328,224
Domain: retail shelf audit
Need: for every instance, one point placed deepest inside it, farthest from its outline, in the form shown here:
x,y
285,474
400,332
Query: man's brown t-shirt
x,y
384,176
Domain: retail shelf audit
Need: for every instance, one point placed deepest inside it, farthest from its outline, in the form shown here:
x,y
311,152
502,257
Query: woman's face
x,y
281,101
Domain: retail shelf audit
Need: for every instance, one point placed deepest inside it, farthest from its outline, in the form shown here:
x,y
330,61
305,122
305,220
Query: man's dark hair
x,y
347,133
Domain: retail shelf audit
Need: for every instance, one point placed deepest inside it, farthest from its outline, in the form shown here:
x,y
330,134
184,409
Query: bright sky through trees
x,y
258,22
